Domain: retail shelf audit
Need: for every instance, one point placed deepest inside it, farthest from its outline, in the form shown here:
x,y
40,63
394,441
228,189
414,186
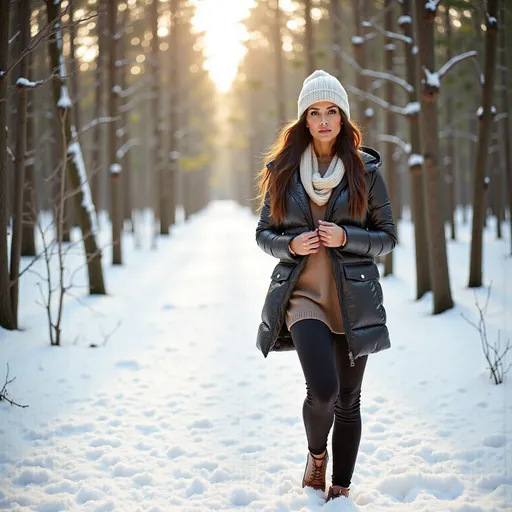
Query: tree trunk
x,y
505,124
440,280
28,244
174,87
278,49
450,141
116,212
484,135
75,166
6,317
390,170
96,174
73,70
309,42
335,13
125,123
19,164
415,166
359,46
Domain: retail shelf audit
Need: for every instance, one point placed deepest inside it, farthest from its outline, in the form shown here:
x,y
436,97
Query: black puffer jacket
x,y
356,274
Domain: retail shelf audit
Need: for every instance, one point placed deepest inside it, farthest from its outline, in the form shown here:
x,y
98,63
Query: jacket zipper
x,y
309,215
345,319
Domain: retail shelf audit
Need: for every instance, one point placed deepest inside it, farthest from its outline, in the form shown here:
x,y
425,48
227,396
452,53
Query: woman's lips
x,y
324,131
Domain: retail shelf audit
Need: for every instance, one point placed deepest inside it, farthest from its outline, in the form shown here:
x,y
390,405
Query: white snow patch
x,y
432,78
415,160
369,112
357,40
431,5
403,20
115,169
413,107
24,82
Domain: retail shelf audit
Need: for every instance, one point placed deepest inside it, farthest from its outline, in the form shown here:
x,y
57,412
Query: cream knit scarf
x,y
319,188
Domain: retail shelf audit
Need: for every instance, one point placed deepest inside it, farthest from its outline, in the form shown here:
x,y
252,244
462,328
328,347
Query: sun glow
x,y
224,35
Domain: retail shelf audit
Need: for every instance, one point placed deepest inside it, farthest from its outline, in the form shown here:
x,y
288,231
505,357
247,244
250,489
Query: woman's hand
x,y
331,235
306,243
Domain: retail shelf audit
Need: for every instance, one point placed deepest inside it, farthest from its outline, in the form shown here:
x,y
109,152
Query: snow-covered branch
x,y
94,122
379,101
393,139
455,60
24,83
391,35
376,74
129,144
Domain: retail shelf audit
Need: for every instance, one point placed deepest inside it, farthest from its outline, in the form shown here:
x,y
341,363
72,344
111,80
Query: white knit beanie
x,y
321,86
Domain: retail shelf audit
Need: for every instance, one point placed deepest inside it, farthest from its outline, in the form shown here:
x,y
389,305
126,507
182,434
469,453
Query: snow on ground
x,y
179,411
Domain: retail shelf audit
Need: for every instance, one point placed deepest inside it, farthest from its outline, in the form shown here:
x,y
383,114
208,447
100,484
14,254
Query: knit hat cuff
x,y
322,94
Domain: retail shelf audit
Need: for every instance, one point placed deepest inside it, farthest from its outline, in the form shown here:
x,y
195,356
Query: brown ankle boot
x,y
314,474
335,491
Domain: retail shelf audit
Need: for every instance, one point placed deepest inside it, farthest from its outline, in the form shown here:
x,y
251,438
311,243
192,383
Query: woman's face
x,y
324,121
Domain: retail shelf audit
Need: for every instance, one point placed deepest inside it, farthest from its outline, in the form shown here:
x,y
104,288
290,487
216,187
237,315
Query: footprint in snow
x,y
129,364
203,423
495,441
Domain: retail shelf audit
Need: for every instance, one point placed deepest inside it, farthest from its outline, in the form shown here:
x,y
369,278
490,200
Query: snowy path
x,y
179,411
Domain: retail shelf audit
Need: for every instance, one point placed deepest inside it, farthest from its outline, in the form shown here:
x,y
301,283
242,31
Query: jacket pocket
x,y
282,272
361,272
363,296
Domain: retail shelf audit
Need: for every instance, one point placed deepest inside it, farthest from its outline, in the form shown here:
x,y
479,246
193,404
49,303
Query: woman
x,y
326,215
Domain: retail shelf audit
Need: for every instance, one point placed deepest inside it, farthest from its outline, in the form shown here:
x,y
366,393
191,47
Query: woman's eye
x,y
332,111
313,113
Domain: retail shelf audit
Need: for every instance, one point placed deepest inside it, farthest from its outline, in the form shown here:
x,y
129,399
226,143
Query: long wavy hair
x,y
285,156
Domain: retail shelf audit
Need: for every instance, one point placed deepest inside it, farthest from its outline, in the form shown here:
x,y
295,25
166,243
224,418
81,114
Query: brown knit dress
x,y
315,295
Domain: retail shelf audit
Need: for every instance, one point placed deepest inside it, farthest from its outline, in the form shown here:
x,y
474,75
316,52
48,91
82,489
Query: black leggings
x,y
333,392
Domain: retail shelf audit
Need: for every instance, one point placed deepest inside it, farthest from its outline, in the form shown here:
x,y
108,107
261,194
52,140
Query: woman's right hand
x,y
306,243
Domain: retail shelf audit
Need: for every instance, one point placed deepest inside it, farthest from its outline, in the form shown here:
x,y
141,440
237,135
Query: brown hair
x,y
285,156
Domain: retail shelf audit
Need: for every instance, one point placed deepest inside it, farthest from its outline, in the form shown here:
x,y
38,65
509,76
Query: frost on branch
x,y
357,40
75,152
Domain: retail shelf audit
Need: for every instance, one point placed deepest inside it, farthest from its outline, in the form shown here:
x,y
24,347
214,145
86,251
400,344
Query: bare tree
x,y
391,126
28,245
335,15
19,164
484,135
95,175
505,123
6,315
116,216
174,90
278,49
75,166
450,140
309,39
440,280
415,161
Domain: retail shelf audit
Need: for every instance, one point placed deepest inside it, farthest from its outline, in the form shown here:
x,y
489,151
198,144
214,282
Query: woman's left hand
x,y
331,235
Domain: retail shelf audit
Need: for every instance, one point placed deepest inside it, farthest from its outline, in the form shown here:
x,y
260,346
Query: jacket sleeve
x,y
270,239
379,237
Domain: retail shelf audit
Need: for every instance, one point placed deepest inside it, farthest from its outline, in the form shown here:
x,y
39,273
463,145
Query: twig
x,y
3,392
